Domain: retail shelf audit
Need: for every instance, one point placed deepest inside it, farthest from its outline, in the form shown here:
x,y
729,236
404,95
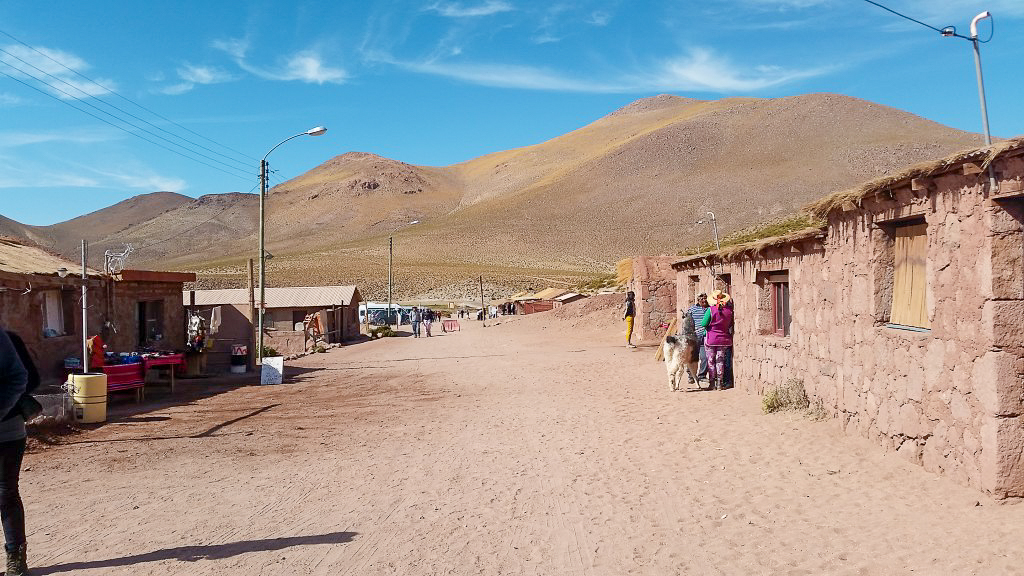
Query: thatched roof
x,y
984,156
755,247
820,209
21,257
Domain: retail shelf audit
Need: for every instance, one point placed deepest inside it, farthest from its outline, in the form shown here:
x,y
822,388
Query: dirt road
x,y
539,446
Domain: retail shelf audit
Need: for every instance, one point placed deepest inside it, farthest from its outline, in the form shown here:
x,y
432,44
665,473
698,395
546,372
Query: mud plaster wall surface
x,y
654,282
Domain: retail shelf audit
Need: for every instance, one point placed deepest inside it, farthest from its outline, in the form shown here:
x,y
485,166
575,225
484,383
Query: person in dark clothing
x,y
13,383
628,314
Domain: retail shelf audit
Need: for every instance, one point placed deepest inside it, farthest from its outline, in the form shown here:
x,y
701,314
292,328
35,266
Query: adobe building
x,y
286,309
903,316
132,310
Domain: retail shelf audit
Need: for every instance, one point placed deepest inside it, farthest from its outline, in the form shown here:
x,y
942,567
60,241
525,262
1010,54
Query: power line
x,y
119,119
44,92
132,102
947,31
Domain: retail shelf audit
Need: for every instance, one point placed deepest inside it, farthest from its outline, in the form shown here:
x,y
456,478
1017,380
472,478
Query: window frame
x,y
780,305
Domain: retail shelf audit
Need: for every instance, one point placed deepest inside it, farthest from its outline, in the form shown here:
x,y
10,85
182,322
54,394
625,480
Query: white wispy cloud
x,y
457,10
71,135
599,18
191,75
699,70
702,70
55,68
7,100
304,66
145,181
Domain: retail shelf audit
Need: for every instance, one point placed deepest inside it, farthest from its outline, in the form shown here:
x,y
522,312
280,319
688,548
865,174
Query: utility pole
x,y
85,310
483,311
391,253
252,315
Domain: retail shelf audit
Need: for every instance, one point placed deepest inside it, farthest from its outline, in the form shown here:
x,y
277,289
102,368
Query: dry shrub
x,y
623,271
788,396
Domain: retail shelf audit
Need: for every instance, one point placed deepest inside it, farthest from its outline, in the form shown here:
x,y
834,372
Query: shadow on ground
x,y
195,553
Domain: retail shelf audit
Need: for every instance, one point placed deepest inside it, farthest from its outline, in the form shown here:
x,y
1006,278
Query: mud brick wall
x,y
949,399
654,282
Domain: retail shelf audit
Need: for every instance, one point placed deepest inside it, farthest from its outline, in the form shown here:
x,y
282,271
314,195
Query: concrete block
x,y
1004,320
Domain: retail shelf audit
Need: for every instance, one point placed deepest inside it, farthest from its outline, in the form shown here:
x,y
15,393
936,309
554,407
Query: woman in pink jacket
x,y
718,323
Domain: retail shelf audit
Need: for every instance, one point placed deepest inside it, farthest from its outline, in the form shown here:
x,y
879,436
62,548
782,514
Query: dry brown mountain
x,y
632,182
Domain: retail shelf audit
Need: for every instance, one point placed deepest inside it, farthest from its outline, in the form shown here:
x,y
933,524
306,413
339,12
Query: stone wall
x,y
950,398
654,282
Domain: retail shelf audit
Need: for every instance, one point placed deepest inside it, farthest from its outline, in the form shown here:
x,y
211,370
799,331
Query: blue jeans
x,y
416,329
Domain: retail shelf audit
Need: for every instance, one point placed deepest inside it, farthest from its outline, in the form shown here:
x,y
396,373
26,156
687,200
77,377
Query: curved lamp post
x,y
318,131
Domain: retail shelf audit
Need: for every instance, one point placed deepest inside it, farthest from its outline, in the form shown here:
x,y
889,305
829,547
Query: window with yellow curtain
x,y
910,282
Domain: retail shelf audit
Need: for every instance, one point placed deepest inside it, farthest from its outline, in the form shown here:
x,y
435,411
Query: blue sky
x,y
431,82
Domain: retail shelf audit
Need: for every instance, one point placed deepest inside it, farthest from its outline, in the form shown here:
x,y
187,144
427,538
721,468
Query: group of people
x,y
421,318
708,325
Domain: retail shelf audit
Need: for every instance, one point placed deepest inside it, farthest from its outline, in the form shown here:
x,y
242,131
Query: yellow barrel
x,y
89,397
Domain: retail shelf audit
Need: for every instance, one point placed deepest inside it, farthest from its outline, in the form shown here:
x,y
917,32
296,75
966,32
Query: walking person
x,y
414,320
718,323
628,314
428,319
697,312
14,382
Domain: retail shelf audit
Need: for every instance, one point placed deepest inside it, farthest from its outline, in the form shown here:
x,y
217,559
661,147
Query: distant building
x,y
903,317
286,309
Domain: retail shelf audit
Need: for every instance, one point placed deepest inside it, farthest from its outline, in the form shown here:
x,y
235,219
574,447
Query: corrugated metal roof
x,y
569,296
21,259
550,293
297,297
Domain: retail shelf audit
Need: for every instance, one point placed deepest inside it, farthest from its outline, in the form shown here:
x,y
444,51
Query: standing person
x,y
14,381
428,319
628,314
414,320
697,313
718,323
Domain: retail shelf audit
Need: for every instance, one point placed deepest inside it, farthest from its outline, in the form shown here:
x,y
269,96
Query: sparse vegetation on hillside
x,y
598,283
623,271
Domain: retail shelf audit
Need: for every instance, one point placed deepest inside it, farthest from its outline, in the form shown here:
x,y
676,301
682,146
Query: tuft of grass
x,y
595,284
382,332
771,229
623,271
269,351
788,396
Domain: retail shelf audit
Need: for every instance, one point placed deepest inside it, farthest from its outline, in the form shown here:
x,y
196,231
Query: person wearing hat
x,y
718,323
628,314
697,312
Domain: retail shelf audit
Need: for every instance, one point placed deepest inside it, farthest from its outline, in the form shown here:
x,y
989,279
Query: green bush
x,y
269,351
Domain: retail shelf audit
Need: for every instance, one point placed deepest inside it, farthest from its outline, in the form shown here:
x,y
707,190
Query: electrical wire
x,y
119,119
942,31
136,104
105,121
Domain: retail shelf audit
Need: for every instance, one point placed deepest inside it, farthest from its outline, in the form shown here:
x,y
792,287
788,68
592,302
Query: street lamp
x,y
391,253
317,131
950,32
714,227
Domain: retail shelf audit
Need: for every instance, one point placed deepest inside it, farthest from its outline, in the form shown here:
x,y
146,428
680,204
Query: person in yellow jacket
x,y
628,314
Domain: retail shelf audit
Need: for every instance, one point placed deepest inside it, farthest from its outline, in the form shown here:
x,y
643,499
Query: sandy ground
x,y
538,446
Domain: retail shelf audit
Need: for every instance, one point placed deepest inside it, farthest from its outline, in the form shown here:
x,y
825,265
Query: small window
x,y
780,303
58,313
151,321
910,283
693,282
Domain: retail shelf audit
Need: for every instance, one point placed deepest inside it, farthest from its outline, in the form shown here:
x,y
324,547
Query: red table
x,y
173,361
